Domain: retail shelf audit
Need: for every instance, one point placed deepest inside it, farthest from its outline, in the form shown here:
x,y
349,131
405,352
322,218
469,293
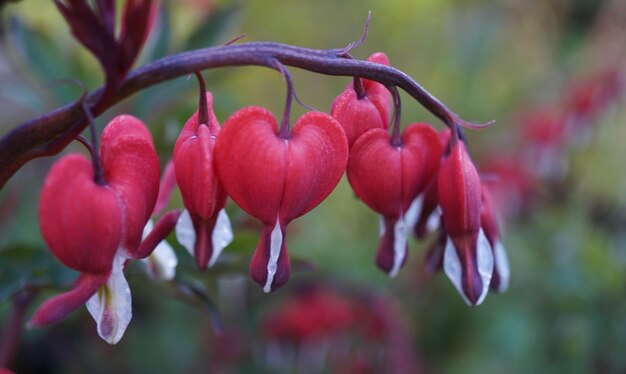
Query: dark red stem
x,y
285,124
358,87
396,138
98,171
203,109
52,132
14,326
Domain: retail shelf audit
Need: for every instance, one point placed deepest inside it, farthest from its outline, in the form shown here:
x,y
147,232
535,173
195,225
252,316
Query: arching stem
x,y
52,132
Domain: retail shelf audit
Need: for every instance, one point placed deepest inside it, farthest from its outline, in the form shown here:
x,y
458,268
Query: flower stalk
x,y
52,132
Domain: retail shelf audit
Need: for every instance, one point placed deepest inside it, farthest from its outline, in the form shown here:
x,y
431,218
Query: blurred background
x,y
550,72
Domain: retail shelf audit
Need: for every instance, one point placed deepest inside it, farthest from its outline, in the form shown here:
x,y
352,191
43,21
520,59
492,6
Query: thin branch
x,y
50,133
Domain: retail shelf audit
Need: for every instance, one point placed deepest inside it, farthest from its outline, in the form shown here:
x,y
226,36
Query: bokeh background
x,y
550,72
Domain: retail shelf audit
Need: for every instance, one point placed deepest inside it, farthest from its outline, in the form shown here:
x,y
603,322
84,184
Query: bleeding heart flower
x,y
359,112
203,229
388,177
489,223
278,179
468,260
95,228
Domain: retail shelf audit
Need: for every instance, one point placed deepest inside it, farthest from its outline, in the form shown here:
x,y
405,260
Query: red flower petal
x,y
131,169
80,220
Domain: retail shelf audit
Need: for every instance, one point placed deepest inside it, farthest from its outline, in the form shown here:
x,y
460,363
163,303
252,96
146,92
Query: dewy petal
x,y
161,264
185,232
275,247
484,262
501,268
221,237
111,306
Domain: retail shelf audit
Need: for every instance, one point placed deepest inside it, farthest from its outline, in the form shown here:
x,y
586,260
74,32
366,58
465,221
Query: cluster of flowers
x,y
96,222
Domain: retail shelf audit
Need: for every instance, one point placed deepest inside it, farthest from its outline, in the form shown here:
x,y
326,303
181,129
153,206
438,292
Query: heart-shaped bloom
x,y
388,177
278,179
203,228
357,114
468,259
95,228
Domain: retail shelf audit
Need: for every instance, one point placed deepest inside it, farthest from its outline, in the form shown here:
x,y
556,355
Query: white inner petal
x,y
485,264
162,262
502,265
272,264
221,237
111,306
434,220
414,211
185,233
147,229
453,269
381,226
399,245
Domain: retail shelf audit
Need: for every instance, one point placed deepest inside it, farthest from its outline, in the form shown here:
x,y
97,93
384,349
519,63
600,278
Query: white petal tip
x,y
185,232
272,264
221,237
453,268
501,262
111,306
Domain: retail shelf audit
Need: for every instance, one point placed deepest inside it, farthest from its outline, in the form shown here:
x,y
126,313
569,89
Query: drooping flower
x,y
468,259
388,177
203,228
358,112
278,179
95,228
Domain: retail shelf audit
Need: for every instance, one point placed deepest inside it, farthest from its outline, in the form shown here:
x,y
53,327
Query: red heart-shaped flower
x,y
278,179
86,224
357,114
388,178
